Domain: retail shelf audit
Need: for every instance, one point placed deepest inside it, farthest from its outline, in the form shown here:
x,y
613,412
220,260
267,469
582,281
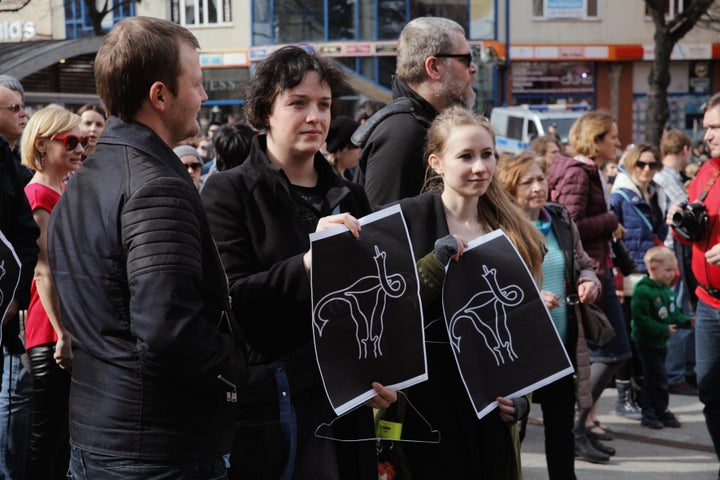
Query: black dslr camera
x,y
691,221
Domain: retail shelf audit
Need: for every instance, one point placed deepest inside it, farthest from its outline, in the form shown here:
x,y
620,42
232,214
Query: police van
x,y
516,127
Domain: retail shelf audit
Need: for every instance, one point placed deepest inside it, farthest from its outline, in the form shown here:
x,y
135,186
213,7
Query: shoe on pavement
x,y
669,420
651,422
585,451
682,388
601,447
628,409
595,431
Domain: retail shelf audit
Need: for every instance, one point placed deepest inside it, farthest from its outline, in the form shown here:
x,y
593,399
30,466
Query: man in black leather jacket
x,y
434,71
156,368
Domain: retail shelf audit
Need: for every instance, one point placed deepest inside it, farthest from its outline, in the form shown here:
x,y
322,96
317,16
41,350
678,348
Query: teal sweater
x,y
653,310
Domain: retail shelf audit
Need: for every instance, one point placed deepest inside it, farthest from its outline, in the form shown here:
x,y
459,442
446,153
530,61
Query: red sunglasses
x,y
71,141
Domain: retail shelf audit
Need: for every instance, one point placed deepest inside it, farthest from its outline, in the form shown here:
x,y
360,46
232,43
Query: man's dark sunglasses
x,y
71,141
465,57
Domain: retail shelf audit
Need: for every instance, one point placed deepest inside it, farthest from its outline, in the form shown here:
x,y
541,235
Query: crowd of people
x,y
165,274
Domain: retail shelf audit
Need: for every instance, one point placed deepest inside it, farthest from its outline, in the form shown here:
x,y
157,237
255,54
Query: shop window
x,y
200,12
565,9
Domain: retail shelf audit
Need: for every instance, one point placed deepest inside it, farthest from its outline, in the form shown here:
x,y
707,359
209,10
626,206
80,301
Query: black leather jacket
x,y
145,297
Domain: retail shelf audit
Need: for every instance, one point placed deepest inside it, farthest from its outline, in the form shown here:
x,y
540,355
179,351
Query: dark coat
x,y
16,220
468,448
392,164
145,298
578,187
262,229
19,227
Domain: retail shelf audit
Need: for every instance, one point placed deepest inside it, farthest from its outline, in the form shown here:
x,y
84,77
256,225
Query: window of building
x,y
672,8
342,13
77,17
565,9
200,12
299,21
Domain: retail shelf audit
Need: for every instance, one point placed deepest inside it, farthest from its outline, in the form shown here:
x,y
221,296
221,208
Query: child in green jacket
x,y
656,316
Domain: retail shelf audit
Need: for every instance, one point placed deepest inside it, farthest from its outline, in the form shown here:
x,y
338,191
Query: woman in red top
x,y
52,145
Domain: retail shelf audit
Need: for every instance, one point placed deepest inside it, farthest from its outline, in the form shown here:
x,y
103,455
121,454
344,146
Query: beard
x,y
457,92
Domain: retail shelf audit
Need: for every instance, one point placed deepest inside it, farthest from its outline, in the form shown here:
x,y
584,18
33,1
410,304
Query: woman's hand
x,y
619,232
449,247
506,409
550,299
588,290
63,351
384,398
352,223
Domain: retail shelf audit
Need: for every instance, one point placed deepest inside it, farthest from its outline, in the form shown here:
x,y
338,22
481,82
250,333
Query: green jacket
x,y
653,309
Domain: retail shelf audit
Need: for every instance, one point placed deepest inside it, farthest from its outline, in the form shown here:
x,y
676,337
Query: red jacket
x,y
706,274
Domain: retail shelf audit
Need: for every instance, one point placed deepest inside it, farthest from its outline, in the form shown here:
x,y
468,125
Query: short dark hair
x,y
91,107
232,144
137,52
285,69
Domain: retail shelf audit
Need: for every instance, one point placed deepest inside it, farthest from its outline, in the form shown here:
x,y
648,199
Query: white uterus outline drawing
x,y
365,300
486,311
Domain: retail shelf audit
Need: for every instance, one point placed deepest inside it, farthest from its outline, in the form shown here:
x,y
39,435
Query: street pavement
x,y
684,453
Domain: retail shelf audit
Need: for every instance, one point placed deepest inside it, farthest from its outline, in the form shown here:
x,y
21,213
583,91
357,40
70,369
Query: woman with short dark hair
x,y
261,214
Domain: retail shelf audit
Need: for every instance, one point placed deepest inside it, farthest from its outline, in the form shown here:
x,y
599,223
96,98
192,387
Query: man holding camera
x,y
690,224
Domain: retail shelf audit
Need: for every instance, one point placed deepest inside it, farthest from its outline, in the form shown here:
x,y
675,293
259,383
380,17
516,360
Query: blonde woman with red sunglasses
x,y
53,146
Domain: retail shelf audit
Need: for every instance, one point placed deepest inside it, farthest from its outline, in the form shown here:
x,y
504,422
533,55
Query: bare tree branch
x,y
15,6
667,35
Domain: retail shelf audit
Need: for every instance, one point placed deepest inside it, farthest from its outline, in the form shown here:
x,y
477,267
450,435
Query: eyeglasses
x,y
71,141
642,165
466,58
14,108
194,165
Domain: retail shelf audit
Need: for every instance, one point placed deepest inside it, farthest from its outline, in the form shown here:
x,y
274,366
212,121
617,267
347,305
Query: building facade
x,y
589,52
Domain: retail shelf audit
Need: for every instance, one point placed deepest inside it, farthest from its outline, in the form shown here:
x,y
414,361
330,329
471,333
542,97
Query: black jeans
x,y
558,408
654,397
48,453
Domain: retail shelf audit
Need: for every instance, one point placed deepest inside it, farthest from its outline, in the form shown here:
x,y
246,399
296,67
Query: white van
x,y
517,126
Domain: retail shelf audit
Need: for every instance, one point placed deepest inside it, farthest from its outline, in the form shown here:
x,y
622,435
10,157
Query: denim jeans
x,y
91,466
14,416
680,361
707,353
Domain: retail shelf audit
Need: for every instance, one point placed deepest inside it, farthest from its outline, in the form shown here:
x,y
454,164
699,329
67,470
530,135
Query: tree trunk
x,y
658,111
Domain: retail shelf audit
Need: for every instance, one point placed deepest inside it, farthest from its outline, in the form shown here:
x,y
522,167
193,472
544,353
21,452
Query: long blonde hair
x,y
496,208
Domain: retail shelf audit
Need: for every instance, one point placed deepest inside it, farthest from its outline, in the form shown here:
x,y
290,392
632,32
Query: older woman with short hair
x,y
568,276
